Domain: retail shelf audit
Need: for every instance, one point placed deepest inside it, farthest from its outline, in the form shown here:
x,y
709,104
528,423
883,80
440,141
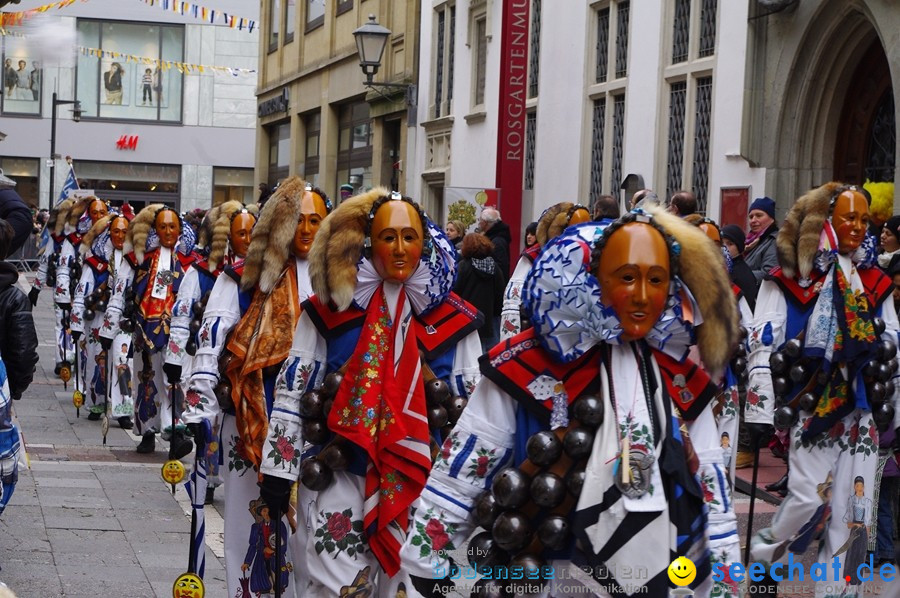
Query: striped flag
x,y
70,185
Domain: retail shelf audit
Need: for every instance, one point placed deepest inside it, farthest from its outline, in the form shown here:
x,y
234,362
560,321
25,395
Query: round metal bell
x,y
547,490
780,385
578,443
315,475
543,448
194,326
531,567
191,348
223,393
739,365
485,510
884,416
575,481
554,532
101,306
197,308
336,456
878,323
870,368
437,392
792,348
437,416
877,391
778,362
331,383
312,405
889,388
512,531
894,365
89,314
455,407
743,332
741,350
886,350
510,488
808,401
326,406
127,326
883,372
588,410
797,373
314,431
785,417
484,552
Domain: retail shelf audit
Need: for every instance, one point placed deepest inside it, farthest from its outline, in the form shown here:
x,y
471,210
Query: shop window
x,y
315,14
138,184
113,86
274,24
279,152
26,173
534,43
444,38
22,77
313,125
233,184
343,6
354,160
290,16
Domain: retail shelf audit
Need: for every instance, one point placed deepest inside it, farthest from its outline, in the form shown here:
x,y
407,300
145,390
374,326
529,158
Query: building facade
x,y
317,119
720,98
146,134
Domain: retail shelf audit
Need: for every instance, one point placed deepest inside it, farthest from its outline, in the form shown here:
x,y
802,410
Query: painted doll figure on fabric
x,y
823,366
383,357
102,247
245,334
552,222
582,420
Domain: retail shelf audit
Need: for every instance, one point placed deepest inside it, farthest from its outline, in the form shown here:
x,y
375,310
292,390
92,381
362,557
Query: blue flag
x,y
70,185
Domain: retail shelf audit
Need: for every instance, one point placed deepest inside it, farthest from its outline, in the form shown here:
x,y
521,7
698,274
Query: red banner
x,y
511,130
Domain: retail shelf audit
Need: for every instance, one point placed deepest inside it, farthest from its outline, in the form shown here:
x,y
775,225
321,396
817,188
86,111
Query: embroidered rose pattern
x,y
340,533
708,485
727,588
192,398
237,456
481,463
433,536
283,452
449,447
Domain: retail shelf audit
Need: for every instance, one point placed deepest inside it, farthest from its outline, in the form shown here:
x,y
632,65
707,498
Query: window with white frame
x,y
689,79
442,82
530,145
606,91
274,24
534,49
478,44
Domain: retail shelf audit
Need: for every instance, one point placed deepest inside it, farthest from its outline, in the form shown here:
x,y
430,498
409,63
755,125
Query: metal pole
x,y
52,152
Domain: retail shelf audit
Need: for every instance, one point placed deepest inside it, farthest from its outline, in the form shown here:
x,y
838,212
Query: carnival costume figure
x,y
577,428
823,364
397,352
101,250
159,250
551,224
244,337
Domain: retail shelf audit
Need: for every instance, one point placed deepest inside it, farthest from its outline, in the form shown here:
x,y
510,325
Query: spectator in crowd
x,y
889,244
264,193
15,212
497,231
530,234
683,203
605,207
643,196
480,282
759,252
455,230
733,238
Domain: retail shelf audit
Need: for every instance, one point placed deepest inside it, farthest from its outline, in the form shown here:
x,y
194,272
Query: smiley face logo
x,y
173,471
188,585
682,571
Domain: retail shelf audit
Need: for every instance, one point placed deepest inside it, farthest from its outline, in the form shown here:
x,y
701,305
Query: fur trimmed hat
x,y
78,209
95,231
273,234
60,216
221,230
139,230
798,239
719,334
555,220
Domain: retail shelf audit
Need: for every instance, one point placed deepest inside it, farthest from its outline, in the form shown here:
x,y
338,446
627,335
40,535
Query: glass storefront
x,y
354,159
22,77
233,184
115,87
279,152
138,184
26,173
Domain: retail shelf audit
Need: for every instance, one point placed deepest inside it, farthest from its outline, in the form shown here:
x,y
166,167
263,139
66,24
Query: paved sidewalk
x,y
90,520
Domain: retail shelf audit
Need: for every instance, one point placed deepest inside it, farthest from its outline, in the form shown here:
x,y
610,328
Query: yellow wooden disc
x,y
172,471
188,585
78,399
65,374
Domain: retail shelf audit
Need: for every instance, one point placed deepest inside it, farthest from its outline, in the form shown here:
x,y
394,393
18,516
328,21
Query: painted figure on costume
x,y
260,558
244,336
551,224
583,418
858,517
382,359
823,365
123,372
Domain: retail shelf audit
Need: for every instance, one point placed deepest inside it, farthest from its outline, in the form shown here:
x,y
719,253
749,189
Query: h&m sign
x,y
280,103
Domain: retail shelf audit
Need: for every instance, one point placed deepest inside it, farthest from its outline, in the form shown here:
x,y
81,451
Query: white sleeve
x,y
111,319
892,333
466,372
41,278
85,287
510,318
303,369
222,313
480,444
61,295
767,334
179,328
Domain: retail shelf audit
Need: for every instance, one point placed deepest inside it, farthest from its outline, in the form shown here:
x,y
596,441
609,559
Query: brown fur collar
x,y
798,239
553,222
704,272
338,247
78,209
62,216
273,235
139,230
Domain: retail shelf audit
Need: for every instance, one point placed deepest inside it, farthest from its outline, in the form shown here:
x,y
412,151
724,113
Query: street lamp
x,y
371,40
76,116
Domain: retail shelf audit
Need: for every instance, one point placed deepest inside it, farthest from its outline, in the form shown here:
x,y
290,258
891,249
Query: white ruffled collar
x,y
417,287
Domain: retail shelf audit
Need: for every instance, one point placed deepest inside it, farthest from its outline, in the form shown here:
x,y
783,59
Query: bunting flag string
x,y
185,68
16,18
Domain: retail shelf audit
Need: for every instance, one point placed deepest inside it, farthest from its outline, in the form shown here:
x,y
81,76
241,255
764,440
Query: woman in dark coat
x,y
480,282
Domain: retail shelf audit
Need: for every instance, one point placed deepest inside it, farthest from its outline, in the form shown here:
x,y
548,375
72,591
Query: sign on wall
x,y
465,204
734,204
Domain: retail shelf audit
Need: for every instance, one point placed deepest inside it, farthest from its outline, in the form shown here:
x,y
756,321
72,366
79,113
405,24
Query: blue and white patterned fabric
x,y
563,297
9,444
185,242
102,246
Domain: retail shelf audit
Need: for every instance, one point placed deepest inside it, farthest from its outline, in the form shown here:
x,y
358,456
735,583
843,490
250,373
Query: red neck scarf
x,y
381,408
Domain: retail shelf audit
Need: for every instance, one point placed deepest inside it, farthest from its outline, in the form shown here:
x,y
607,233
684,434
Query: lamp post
x,y
371,40
76,116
